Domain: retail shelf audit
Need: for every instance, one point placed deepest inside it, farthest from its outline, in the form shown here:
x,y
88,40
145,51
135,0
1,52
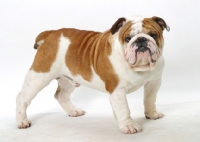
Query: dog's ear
x,y
118,24
161,23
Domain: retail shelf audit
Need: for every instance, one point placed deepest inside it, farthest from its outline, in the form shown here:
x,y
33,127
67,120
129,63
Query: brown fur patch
x,y
117,25
125,31
161,23
91,49
151,27
41,36
46,54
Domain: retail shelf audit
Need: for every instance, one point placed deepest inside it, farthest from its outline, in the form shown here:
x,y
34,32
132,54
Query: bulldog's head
x,y
139,40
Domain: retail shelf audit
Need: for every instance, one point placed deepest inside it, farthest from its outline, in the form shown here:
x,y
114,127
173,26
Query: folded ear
x,y
117,25
161,23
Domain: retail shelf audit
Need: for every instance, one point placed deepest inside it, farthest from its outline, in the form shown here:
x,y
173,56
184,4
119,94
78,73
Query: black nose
x,y
141,42
141,39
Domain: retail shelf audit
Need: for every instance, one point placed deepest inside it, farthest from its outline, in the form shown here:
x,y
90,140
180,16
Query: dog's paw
x,y
23,124
131,129
76,112
154,115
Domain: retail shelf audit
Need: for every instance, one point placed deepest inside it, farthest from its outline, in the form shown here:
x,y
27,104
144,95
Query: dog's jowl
x,y
117,61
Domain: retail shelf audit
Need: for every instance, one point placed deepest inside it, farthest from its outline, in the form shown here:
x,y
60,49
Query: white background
x,y
22,20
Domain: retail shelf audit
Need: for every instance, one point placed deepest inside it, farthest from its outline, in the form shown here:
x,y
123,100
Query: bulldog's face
x,y
141,40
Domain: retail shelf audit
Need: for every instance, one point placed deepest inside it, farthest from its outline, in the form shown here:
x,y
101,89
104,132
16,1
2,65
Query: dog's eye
x,y
153,35
127,39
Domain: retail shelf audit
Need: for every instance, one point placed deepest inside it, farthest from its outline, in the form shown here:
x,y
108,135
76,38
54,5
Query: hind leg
x,y
34,82
65,88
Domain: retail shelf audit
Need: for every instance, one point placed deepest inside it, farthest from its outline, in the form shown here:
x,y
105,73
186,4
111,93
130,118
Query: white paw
x,y
154,115
131,128
23,124
75,112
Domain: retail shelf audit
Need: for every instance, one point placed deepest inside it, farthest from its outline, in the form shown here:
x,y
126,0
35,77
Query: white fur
x,y
39,43
63,97
129,81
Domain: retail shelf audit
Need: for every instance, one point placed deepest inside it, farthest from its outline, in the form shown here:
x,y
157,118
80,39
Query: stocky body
x,y
129,79
103,61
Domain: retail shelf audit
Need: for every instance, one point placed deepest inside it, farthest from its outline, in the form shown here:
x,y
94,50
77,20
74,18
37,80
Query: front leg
x,y
122,113
150,92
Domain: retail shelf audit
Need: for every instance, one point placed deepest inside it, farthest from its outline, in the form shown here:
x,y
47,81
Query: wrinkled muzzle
x,y
142,52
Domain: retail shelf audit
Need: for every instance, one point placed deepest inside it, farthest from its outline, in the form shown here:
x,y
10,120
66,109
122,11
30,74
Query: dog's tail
x,y
41,38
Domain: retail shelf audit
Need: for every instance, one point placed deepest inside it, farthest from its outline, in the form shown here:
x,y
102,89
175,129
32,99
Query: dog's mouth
x,y
142,52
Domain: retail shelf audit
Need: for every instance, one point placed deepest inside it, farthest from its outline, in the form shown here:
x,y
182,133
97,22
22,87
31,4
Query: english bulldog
x,y
117,61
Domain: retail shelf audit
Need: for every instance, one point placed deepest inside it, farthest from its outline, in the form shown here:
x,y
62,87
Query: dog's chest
x,y
132,80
